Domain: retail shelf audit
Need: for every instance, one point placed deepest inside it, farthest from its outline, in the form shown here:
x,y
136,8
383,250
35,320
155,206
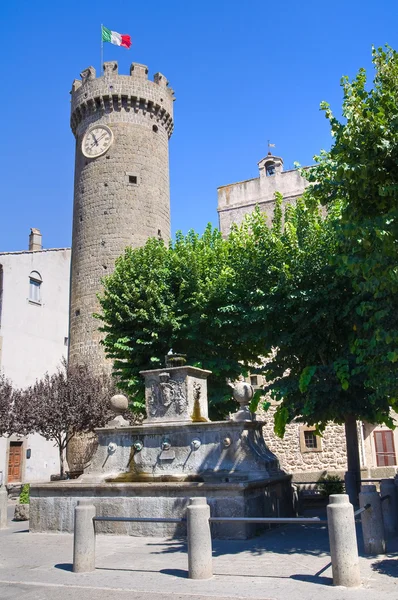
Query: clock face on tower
x,y
97,140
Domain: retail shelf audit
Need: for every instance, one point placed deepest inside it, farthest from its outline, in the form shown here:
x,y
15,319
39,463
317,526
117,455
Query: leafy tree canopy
x,y
267,299
361,170
300,305
160,298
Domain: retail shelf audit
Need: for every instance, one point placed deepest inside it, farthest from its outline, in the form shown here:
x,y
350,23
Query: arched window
x,y
35,282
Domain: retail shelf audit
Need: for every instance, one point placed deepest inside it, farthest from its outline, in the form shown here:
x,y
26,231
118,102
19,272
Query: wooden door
x,y
15,462
385,450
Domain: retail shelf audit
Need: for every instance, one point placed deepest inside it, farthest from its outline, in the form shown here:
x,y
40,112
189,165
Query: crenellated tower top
x,y
114,94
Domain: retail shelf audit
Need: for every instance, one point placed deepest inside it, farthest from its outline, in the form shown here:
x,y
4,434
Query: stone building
x,y
237,199
308,456
34,298
122,125
301,451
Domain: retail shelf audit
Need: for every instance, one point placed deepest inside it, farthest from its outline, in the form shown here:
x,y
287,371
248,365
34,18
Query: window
x,y
35,282
309,440
385,450
253,380
132,177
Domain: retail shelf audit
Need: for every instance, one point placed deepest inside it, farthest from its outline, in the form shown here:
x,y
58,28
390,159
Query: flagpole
x,y
102,52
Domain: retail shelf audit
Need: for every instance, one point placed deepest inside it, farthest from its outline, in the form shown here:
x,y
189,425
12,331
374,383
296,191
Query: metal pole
x,y
102,51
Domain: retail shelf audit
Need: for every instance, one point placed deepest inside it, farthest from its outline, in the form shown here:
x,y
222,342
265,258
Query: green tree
x,y
268,298
361,170
161,297
296,301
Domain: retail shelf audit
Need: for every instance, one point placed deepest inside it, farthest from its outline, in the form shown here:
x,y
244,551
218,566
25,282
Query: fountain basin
x,y
145,452
227,462
52,504
152,470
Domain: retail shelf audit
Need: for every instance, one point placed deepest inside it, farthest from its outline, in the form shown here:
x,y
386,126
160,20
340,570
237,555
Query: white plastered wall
x,y
33,340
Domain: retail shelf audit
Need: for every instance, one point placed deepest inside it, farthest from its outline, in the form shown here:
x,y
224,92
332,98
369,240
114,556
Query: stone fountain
x,y
152,469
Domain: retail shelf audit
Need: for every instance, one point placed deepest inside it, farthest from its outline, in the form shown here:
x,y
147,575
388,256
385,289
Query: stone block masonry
x,y
121,197
294,457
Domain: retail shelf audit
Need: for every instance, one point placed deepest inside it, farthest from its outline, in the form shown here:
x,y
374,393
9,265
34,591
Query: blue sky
x,y
243,73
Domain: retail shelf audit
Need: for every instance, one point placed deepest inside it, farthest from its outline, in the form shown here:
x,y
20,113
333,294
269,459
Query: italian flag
x,y
119,39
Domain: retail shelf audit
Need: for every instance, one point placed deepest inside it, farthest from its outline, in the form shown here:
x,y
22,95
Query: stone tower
x,y
122,125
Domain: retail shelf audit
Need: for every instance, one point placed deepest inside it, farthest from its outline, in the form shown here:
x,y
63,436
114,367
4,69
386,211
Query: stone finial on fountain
x,y
242,392
118,405
175,360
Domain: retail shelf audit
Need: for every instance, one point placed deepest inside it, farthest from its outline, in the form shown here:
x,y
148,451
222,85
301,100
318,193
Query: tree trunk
x,y
353,474
61,461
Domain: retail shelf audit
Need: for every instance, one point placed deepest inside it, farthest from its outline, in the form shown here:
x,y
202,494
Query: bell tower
x,y
122,125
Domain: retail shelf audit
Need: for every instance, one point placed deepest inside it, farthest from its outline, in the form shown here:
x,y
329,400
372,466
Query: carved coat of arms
x,y
167,396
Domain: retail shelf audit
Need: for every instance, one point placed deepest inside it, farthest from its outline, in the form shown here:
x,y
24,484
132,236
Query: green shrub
x,y
24,496
330,484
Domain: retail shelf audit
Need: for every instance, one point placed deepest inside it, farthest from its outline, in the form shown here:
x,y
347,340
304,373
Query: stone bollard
x,y
84,537
343,541
200,564
389,506
372,521
3,507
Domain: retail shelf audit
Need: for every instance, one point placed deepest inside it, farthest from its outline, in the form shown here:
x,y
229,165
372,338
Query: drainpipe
x,y
362,438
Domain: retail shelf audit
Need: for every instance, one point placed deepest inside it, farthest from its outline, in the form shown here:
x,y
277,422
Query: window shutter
x,y
385,450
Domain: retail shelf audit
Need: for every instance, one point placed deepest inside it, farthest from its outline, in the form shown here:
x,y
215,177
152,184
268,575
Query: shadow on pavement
x,y
175,572
170,546
172,572
313,579
291,539
387,566
64,566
